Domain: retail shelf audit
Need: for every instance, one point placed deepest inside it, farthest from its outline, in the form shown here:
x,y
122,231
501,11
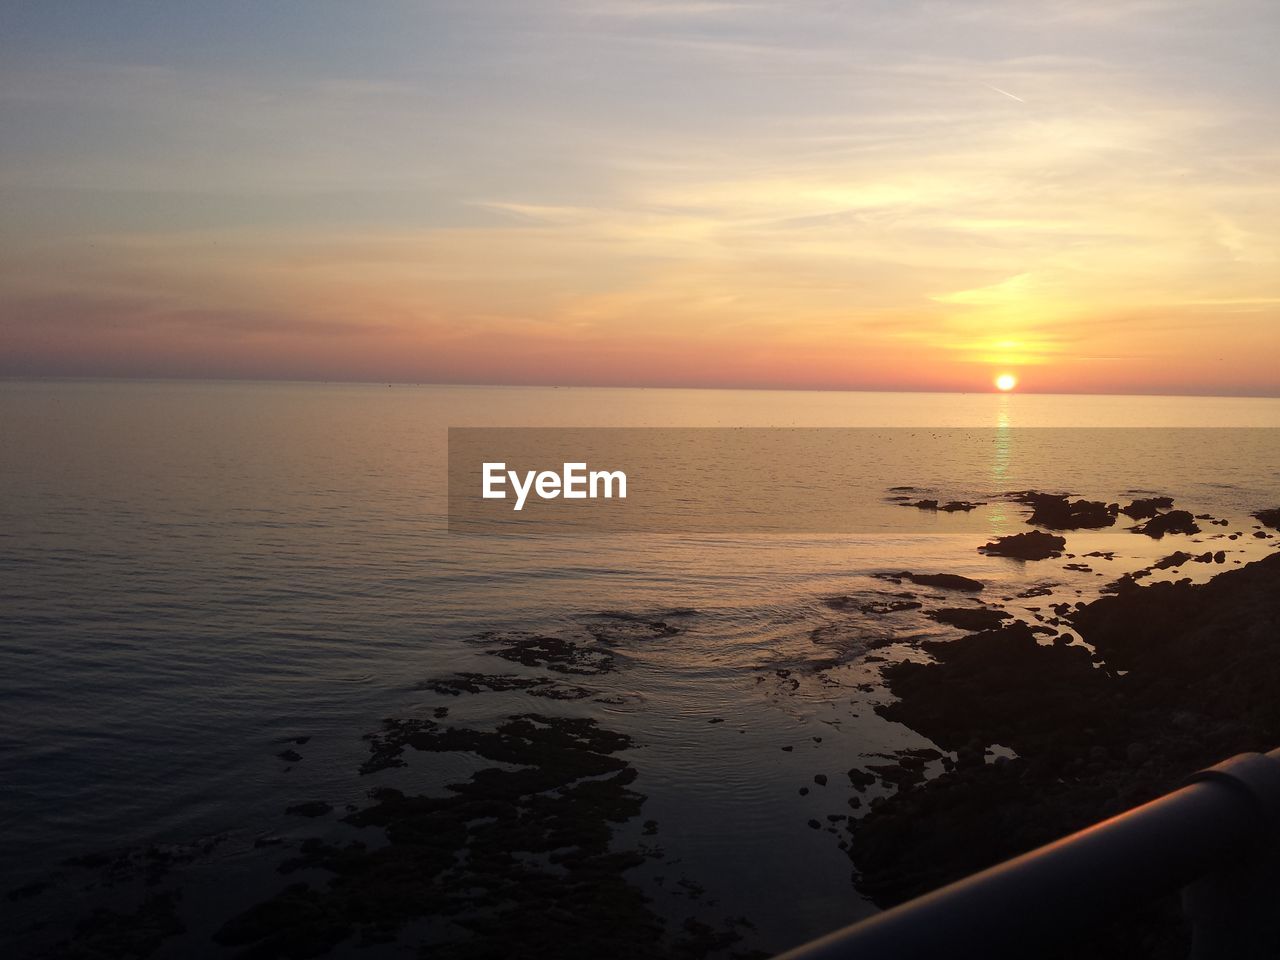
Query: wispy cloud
x,y
931,185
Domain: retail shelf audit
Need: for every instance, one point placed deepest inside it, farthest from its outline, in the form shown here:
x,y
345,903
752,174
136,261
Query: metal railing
x,y
1214,838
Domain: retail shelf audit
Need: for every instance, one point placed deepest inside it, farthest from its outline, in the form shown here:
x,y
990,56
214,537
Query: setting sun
x,y
1006,382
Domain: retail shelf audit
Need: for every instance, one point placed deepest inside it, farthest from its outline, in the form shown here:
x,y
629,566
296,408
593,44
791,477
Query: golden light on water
x,y
1006,382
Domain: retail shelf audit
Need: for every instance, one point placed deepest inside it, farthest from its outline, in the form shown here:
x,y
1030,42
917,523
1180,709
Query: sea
x,y
211,592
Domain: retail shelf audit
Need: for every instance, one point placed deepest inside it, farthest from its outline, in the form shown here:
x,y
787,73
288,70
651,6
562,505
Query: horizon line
x,y
617,386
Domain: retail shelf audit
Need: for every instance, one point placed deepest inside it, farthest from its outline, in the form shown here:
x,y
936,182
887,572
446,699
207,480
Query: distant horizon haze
x,y
674,387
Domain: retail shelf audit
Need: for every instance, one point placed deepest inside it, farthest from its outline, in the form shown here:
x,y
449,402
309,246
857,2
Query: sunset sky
x,y
879,195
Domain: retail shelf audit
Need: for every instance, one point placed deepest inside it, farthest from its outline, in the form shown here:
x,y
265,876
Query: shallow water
x,y
193,575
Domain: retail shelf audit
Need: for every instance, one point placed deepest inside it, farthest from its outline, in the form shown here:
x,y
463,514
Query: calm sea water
x,y
195,574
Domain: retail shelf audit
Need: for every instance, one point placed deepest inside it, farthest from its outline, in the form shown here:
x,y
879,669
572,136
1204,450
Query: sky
x,y
913,194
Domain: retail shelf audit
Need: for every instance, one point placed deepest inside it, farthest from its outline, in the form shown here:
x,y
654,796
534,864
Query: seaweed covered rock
x,y
519,853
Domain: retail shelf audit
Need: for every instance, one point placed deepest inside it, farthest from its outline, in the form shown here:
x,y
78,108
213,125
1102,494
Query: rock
x,y
1175,521
1058,512
548,652
1188,677
28,890
1035,545
860,778
106,933
875,607
460,683
524,851
1270,518
1040,590
312,808
945,581
820,779
897,773
951,506
969,618
1145,508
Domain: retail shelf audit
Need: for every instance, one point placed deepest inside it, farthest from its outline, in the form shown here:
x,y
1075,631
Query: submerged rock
x,y
520,853
552,653
460,683
878,607
108,933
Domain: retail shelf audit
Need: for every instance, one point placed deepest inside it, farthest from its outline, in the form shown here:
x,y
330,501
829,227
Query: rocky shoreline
x,y
1180,676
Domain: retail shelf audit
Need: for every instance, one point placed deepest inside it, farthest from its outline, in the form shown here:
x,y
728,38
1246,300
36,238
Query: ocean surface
x,y
196,576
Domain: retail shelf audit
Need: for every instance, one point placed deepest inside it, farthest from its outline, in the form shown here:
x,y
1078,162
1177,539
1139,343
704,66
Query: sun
x,y
1006,382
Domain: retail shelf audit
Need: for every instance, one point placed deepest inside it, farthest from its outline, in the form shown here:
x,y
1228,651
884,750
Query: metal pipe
x,y
1205,828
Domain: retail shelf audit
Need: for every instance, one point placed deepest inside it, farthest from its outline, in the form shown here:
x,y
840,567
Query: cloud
x,y
926,183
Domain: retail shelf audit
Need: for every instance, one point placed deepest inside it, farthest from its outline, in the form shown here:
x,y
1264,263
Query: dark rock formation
x,y
312,808
877,607
1057,511
969,618
1035,545
552,653
1145,508
945,581
460,683
1190,675
520,853
951,506
1175,521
